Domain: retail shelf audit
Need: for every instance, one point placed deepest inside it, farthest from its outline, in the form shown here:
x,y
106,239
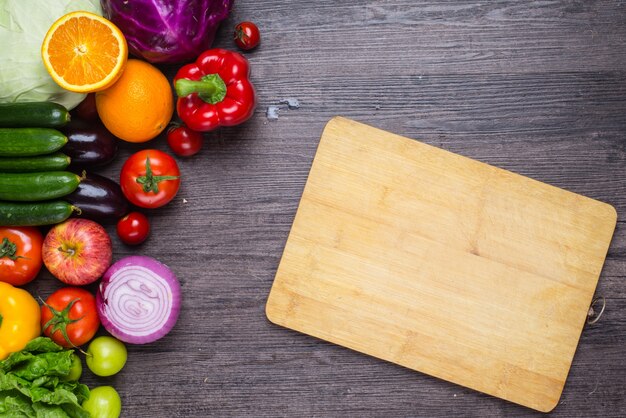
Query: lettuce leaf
x,y
32,383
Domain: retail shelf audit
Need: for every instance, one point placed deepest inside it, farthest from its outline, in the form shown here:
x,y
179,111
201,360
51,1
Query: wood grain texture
x,y
535,87
441,264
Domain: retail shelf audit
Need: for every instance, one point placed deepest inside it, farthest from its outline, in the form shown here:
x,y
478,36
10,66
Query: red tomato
x,y
20,254
247,35
184,141
133,229
150,178
70,312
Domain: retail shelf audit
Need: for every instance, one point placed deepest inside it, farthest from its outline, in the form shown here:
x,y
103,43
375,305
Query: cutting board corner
x,y
442,264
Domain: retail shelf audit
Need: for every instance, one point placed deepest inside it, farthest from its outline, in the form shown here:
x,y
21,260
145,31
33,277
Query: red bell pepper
x,y
215,91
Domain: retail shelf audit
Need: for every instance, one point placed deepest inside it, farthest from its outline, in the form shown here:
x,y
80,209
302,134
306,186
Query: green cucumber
x,y
27,142
53,162
34,214
33,114
32,187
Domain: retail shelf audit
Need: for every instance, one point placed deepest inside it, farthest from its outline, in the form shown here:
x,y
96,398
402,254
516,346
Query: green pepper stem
x,y
210,88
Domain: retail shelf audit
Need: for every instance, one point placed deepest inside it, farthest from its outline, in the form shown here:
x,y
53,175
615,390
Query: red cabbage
x,y
167,31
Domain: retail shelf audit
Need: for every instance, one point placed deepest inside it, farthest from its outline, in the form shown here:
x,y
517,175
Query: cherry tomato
x,y
133,229
70,317
103,402
184,141
150,178
87,109
20,254
106,356
247,35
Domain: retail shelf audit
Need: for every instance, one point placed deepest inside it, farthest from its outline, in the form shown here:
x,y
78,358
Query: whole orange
x,y
139,105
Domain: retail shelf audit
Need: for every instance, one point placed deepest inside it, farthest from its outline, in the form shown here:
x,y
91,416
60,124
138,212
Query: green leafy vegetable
x,y
23,25
32,383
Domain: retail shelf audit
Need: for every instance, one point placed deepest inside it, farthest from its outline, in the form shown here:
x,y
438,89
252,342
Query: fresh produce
x,y
50,162
150,178
34,114
184,141
247,36
34,383
27,142
139,106
83,52
215,91
70,317
103,402
89,144
34,214
99,199
134,228
86,110
20,254
76,370
19,321
167,31
77,251
106,356
138,300
23,27
32,187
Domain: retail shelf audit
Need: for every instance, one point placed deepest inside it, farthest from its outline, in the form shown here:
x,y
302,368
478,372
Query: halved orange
x,y
84,52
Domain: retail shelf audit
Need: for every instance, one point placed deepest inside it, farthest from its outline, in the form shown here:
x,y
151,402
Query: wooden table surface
x,y
536,87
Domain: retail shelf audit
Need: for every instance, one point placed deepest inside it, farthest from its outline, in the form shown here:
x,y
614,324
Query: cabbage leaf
x,y
23,25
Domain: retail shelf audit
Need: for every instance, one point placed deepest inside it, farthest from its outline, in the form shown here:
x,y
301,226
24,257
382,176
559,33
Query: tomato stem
x,y
60,320
150,182
8,249
241,35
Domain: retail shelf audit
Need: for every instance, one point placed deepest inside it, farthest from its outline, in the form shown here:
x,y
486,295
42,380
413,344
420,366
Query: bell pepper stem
x,y
210,88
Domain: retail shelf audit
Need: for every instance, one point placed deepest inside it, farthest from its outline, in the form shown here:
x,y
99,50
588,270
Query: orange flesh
x,y
83,51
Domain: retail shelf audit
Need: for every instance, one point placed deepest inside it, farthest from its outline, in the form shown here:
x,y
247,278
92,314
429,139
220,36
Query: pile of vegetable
x,y
64,110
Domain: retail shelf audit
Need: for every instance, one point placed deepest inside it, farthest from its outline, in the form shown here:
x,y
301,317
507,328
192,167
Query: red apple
x,y
77,251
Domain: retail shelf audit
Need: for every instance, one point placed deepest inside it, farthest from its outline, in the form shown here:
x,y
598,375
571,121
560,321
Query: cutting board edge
x,y
548,407
275,318
590,300
611,214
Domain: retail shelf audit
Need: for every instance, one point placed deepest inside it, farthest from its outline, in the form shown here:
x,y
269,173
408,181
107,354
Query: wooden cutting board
x,y
442,264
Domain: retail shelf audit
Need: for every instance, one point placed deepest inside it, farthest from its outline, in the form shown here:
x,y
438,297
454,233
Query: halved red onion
x,y
138,300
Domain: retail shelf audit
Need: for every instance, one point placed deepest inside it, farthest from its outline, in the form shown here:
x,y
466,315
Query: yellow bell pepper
x,y
20,319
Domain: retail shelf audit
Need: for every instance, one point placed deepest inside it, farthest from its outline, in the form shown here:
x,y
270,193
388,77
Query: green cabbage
x,y
23,25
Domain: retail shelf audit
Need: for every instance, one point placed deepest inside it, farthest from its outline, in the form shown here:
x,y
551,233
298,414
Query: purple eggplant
x,y
89,144
99,199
